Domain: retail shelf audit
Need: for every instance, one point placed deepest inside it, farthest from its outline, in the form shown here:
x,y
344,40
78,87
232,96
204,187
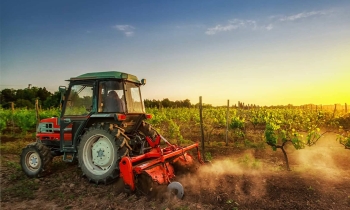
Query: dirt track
x,y
236,179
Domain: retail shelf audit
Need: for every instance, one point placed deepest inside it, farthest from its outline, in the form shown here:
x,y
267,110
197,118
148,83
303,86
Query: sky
x,y
274,52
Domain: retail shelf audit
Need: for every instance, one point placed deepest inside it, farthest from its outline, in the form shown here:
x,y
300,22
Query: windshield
x,y
133,98
79,101
111,96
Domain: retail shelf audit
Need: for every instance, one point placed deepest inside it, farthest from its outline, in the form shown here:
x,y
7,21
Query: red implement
x,y
157,163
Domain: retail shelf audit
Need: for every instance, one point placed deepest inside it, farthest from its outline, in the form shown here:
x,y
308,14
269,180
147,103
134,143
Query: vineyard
x,y
250,138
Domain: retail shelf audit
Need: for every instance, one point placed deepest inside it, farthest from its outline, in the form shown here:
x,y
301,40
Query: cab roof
x,y
106,75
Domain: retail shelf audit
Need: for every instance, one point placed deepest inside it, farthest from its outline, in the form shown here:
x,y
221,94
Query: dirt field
x,y
235,179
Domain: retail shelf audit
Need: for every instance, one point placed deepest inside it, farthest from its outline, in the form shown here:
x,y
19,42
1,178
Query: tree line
x,y
166,103
25,98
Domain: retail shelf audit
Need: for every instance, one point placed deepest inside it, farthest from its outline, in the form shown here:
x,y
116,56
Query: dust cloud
x,y
242,176
249,178
327,159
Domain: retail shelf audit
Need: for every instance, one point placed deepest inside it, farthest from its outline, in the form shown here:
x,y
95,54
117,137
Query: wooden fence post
x,y
13,123
228,105
37,112
346,108
201,123
335,108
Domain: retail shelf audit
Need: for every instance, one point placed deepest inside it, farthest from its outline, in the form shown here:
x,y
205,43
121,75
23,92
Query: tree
x,y
43,94
279,132
166,103
186,103
7,96
23,103
52,101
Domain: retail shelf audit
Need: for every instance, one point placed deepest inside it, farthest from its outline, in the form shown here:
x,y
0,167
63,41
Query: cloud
x,y
201,26
269,27
301,15
128,30
232,25
267,24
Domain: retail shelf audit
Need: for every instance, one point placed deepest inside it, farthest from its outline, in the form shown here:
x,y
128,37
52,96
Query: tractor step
x,y
68,157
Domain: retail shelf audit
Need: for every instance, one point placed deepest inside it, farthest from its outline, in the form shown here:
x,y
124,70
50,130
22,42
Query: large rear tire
x,y
100,151
35,159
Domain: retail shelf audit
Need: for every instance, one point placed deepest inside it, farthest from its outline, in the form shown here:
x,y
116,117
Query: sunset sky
x,y
259,52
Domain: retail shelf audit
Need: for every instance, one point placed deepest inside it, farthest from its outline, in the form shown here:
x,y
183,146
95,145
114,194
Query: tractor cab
x,y
108,97
103,92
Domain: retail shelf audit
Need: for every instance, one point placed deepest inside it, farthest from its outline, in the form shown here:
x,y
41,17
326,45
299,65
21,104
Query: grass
x,y
14,147
13,165
23,189
20,186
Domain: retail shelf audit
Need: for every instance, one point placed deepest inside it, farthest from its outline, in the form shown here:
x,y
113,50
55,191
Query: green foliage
x,y
81,110
300,127
208,156
13,147
23,103
174,129
25,119
166,103
5,116
14,165
344,138
291,124
237,122
271,137
25,98
47,113
53,101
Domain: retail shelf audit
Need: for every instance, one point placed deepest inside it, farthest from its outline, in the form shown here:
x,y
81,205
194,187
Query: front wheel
x,y
35,159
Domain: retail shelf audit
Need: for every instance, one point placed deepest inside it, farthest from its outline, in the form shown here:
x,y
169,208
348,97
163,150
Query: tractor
x,y
103,125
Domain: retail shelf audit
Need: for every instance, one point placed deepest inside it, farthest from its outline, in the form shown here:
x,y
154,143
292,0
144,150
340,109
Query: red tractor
x,y
103,125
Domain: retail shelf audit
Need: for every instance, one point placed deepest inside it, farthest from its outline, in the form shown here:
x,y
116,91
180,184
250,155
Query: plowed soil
x,y
235,179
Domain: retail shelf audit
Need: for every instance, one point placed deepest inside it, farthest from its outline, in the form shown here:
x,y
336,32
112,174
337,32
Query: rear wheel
x,y
35,159
100,151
